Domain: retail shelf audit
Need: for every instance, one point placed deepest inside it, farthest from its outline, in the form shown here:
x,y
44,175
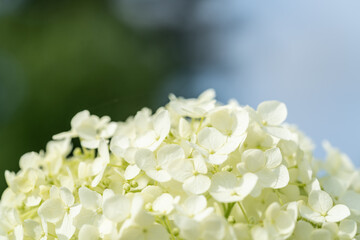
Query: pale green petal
x,y
138,215
311,215
337,213
119,144
223,120
303,230
284,222
197,184
181,170
98,178
104,150
254,159
86,216
163,204
67,196
242,231
258,232
159,175
225,187
90,143
29,160
184,128
117,208
242,122
133,233
195,204
146,139
211,139
275,178
273,157
19,232
145,159
214,228
157,232
66,229
200,165
320,201
233,142
169,154
279,132
88,232
32,229
189,228
247,184
52,210
272,210
89,198
131,172
217,159
33,200
348,228
161,123
272,112
352,200
79,118
320,234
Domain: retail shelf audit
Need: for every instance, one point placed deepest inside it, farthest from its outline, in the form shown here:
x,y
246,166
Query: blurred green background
x,y
60,57
114,57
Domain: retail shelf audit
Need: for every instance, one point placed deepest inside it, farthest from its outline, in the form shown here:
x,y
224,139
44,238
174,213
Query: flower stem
x,y
279,197
228,209
243,212
168,227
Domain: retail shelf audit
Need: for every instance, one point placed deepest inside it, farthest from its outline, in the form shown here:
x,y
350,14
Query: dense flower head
x,y
194,169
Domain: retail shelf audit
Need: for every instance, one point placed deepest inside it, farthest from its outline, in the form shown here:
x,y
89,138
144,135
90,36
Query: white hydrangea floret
x,y
193,169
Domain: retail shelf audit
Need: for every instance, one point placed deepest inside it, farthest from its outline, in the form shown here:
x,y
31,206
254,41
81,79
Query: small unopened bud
x,y
176,231
77,151
148,207
134,184
227,168
127,187
231,219
252,220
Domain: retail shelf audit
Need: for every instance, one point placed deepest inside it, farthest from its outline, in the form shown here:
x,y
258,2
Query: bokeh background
x,y
114,57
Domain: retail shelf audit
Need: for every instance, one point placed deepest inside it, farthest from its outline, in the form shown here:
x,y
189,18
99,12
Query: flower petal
x,y
320,201
170,153
88,232
67,196
347,229
161,123
163,204
131,172
117,208
337,213
310,214
145,159
211,138
89,199
195,204
181,170
157,232
272,112
52,210
273,157
197,184
66,229
254,159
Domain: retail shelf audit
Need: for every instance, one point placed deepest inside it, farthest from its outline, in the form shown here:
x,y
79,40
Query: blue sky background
x,y
305,53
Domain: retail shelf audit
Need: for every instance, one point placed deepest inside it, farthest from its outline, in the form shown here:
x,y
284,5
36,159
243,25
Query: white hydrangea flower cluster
x,y
195,169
